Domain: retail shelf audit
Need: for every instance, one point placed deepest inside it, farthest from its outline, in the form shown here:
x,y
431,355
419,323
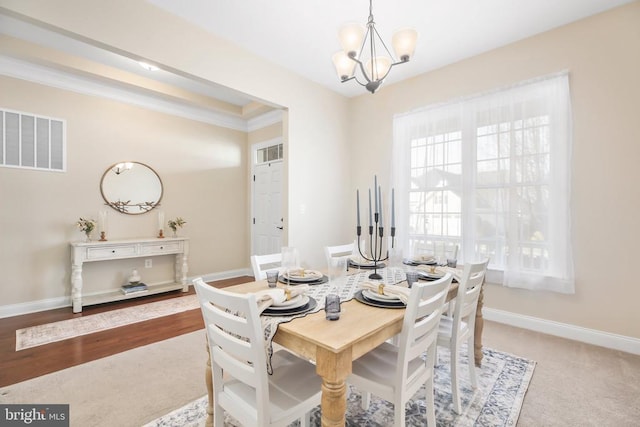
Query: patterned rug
x,y
502,383
65,329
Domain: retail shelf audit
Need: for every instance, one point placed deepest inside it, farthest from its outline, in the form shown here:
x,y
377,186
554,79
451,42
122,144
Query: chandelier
x,y
363,47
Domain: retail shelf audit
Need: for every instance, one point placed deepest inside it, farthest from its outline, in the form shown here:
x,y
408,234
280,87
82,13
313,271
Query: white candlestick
x,y
102,221
160,220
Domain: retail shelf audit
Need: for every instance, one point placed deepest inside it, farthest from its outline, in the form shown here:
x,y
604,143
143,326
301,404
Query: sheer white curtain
x,y
492,173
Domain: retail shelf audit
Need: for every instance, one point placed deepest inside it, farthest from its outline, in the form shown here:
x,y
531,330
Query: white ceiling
x,y
301,35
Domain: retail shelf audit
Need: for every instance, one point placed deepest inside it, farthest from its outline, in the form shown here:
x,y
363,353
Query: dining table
x,y
334,345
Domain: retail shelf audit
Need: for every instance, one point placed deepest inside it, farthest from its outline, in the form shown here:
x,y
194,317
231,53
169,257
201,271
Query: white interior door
x,y
267,208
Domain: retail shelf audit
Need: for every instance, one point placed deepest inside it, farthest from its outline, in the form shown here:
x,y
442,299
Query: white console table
x,y
82,252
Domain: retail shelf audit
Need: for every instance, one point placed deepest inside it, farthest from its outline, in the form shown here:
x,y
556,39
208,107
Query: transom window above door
x,y
269,154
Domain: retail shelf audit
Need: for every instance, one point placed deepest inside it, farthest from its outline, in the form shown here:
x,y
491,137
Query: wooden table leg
x,y
479,326
334,368
209,381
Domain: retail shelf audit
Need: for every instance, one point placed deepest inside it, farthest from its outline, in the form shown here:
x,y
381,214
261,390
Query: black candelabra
x,y
376,239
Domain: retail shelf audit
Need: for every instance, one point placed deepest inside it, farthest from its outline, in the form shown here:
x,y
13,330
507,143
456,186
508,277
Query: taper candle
x,y
380,208
358,208
393,207
370,217
375,193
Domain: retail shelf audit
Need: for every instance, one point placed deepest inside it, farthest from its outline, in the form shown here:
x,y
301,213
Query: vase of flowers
x,y
174,224
86,226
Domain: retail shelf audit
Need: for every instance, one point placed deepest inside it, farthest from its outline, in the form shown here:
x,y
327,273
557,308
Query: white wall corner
x,y
564,330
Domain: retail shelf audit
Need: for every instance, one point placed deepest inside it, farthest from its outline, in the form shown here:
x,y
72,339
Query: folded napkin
x,y
441,270
301,273
390,290
423,258
269,297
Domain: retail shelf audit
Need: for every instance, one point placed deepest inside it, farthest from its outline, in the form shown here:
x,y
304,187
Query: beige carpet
x,y
126,389
575,384
65,329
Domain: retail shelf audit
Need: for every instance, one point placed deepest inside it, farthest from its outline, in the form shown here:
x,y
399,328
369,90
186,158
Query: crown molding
x,y
264,120
12,67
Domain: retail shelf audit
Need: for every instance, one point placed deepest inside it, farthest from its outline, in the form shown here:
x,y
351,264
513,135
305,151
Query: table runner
x,y
345,287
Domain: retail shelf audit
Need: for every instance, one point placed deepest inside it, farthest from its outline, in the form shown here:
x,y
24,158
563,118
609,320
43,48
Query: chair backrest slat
x,y
236,343
262,263
469,288
420,326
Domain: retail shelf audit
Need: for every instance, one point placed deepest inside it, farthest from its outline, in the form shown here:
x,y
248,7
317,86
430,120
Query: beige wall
x,y
317,153
266,133
202,168
602,54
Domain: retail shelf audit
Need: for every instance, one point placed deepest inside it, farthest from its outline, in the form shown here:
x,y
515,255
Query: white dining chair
x,y
396,373
262,263
241,385
339,251
459,328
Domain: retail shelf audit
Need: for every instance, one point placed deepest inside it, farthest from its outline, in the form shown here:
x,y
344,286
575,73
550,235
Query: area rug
x,y
502,383
65,329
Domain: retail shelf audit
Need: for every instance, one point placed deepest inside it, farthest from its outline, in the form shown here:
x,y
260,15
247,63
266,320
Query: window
x,y
269,154
31,142
492,174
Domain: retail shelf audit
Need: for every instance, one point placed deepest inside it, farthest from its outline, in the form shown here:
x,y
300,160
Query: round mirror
x,y
131,188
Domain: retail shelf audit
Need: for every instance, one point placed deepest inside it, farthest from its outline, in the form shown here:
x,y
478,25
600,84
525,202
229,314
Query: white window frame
x,y
516,261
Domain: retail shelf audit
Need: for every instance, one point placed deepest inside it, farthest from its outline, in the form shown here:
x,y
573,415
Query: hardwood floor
x,y
17,366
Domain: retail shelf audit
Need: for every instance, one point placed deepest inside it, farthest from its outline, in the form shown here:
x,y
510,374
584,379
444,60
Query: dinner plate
x,y
295,302
309,276
369,266
389,304
293,282
430,275
360,262
312,304
415,261
369,294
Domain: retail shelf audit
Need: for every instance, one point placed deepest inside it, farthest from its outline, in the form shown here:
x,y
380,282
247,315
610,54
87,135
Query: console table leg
x,y
76,287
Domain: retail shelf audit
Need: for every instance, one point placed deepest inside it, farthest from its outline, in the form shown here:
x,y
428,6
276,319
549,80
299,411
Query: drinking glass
x,y
289,259
337,269
272,278
412,277
332,307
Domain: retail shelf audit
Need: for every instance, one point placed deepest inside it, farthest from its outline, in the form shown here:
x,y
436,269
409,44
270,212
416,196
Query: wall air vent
x,y
28,141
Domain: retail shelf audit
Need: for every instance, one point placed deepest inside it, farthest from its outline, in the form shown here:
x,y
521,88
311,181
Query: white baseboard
x,y
62,302
34,306
564,330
